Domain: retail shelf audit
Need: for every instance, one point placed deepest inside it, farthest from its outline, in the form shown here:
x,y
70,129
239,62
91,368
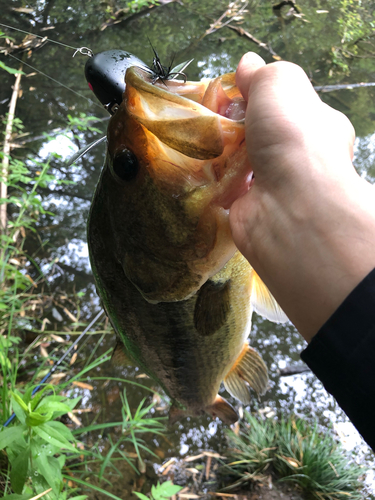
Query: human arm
x,y
307,224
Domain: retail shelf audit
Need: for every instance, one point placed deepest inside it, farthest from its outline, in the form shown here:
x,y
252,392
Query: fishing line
x,y
56,81
39,36
58,362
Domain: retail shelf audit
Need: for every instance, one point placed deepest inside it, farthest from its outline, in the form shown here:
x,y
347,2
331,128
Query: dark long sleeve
x,y
342,356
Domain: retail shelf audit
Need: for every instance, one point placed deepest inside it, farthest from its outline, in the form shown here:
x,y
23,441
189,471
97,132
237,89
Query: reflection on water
x,y
182,26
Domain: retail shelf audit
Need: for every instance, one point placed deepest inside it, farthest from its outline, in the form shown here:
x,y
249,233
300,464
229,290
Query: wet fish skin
x,y
177,292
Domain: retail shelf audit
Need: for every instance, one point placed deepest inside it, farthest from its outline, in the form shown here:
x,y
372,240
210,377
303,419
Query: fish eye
x,y
125,165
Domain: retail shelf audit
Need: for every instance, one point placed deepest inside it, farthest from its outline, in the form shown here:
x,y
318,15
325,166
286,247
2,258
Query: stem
x,y
6,151
31,455
7,372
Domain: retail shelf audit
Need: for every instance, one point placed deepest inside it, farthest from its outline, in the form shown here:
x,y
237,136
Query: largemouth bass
x,y
178,293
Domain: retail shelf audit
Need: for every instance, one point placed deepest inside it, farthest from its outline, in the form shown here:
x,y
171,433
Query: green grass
x,y
40,452
39,455
294,452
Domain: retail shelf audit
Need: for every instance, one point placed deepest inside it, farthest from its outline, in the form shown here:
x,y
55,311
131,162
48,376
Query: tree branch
x,y
61,192
252,38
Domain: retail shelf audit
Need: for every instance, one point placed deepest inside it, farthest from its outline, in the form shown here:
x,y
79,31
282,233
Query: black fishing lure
x,y
105,74
164,73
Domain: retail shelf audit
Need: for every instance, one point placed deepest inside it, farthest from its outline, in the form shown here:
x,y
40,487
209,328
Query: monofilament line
x,y
56,81
38,36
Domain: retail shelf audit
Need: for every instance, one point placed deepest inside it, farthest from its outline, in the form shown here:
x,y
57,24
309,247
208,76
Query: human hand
x,y
307,224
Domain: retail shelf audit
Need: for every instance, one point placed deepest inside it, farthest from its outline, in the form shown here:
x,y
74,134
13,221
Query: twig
x,y
347,86
252,38
368,55
230,12
41,494
363,38
6,151
293,370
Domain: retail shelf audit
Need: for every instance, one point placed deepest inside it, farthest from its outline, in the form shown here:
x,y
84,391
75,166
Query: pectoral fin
x,y
223,410
120,357
263,301
212,307
248,370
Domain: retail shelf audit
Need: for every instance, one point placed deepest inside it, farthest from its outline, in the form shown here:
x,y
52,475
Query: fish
x,y
178,293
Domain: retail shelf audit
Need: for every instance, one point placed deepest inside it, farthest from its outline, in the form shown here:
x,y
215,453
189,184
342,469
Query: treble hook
x,y
85,51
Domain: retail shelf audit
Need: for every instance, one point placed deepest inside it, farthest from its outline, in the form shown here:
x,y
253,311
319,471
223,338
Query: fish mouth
x,y
203,121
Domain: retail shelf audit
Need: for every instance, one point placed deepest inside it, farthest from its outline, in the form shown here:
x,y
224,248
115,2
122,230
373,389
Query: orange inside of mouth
x,y
219,95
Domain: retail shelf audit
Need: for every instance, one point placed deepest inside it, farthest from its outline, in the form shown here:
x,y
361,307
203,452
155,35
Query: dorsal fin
x,y
264,302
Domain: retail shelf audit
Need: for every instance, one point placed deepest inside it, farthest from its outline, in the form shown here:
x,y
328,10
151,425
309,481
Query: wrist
x,y
339,248
311,249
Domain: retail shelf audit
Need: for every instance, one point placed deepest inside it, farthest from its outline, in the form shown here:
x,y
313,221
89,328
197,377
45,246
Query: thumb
x,y
247,66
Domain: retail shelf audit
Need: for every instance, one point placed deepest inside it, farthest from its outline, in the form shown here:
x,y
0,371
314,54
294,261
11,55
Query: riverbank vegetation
x,y
294,452
60,444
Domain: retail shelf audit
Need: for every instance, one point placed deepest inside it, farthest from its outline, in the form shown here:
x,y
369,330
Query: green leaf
x,y
93,487
28,396
59,441
15,496
49,468
62,429
140,495
61,460
59,431
180,68
40,485
168,489
18,473
154,491
50,406
34,418
17,447
72,403
10,70
8,435
39,395
20,401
